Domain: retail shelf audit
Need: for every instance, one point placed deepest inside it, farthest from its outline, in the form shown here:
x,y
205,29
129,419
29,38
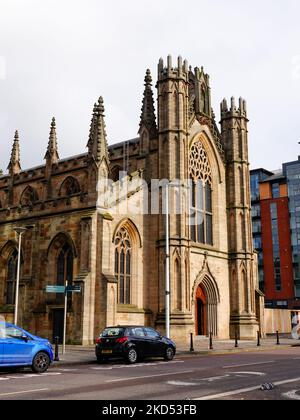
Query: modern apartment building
x,y
276,233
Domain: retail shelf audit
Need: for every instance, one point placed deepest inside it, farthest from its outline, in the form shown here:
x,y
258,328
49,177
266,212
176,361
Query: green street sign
x,y
73,289
55,289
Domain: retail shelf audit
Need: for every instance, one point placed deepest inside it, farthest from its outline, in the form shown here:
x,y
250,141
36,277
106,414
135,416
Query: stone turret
x,y
234,123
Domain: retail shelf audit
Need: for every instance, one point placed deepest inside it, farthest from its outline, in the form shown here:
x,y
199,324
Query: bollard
x,y
192,343
278,339
258,339
56,357
211,347
236,339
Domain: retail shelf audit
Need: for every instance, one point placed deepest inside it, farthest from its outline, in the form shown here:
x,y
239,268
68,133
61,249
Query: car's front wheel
x,y
132,356
169,354
41,363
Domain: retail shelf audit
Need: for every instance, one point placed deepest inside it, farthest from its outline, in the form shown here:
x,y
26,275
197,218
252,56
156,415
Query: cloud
x,y
60,56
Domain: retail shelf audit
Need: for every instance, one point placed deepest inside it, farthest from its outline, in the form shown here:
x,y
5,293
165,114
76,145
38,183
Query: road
x,y
234,377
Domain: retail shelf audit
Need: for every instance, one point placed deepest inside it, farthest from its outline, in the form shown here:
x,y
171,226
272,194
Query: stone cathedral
x,y
118,257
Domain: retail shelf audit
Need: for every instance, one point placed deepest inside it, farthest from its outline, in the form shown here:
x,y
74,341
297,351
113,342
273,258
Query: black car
x,y
133,344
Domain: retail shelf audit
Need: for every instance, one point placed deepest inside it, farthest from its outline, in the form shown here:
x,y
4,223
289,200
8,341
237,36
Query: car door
x,y
1,351
155,344
138,338
16,351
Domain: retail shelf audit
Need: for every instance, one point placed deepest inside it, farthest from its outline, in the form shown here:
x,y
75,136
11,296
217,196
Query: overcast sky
x,y
58,56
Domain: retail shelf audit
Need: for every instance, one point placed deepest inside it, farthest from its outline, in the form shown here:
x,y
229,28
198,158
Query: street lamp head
x,y
20,230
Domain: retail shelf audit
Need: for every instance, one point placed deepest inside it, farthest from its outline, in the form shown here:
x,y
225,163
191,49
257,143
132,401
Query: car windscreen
x,y
113,332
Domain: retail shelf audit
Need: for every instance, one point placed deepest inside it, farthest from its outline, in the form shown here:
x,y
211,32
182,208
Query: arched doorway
x,y
201,312
206,295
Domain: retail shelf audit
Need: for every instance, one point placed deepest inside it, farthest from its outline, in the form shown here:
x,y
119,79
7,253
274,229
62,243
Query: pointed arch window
x,y
123,266
65,263
11,278
70,187
29,197
201,215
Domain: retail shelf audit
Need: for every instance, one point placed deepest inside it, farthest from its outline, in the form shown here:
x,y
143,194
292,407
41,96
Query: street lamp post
x,y
167,304
20,231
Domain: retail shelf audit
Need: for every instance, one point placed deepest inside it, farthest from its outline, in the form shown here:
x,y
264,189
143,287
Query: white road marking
x,y
148,377
243,390
136,366
199,382
248,364
181,383
214,379
24,392
250,373
292,395
29,376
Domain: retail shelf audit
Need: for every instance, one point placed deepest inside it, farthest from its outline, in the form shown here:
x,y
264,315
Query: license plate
x,y
106,351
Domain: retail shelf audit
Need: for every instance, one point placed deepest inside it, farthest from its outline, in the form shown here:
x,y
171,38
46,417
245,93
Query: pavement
x,y
79,355
187,379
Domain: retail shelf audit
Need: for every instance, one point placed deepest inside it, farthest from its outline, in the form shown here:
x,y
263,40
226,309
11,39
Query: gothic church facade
x,y
118,258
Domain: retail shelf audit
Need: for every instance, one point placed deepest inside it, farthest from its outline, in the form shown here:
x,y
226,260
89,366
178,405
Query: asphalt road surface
x,y
232,377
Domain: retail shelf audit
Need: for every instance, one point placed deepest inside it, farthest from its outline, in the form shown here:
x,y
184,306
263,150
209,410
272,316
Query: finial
x,y
148,78
224,105
186,66
169,62
160,65
101,106
233,108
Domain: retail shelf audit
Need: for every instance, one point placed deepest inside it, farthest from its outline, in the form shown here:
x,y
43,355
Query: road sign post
x,y
65,318
64,290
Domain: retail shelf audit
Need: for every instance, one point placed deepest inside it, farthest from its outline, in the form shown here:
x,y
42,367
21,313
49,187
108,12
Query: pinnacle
x,y
52,152
14,164
101,105
148,78
97,143
148,118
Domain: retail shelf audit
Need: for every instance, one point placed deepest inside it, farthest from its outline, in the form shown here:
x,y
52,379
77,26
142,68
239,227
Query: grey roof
x,y
118,145
279,176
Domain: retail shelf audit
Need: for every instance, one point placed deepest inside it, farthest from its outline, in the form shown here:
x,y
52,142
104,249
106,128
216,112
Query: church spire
x,y
148,118
14,166
97,144
52,150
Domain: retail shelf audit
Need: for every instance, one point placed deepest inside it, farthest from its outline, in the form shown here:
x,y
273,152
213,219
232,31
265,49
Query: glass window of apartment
x,y
255,187
255,211
293,177
276,190
256,226
257,243
276,250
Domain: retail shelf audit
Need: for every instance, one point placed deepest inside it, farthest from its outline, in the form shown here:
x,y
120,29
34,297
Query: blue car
x,y
18,348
